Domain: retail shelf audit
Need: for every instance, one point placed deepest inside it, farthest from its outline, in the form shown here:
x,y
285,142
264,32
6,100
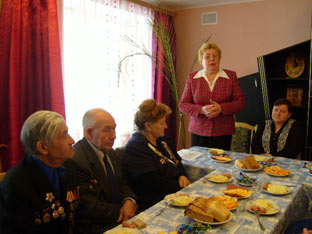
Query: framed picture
x,y
294,95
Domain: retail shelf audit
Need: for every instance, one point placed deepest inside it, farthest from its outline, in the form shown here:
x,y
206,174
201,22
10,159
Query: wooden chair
x,y
242,138
2,176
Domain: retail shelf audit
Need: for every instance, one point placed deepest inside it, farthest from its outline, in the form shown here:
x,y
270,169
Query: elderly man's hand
x,y
306,231
127,211
183,181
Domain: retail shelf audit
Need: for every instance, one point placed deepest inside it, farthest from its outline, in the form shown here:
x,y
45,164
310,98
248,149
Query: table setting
x,y
256,201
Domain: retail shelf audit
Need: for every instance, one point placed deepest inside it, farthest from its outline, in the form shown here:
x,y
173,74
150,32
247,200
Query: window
x,y
93,47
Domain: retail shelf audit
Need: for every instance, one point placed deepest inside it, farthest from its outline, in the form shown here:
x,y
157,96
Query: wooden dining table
x,y
164,218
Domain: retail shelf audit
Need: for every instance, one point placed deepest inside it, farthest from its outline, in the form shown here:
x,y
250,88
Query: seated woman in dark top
x,y
281,136
151,162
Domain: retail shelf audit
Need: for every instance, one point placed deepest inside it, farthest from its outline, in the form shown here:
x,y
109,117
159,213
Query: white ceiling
x,y
186,4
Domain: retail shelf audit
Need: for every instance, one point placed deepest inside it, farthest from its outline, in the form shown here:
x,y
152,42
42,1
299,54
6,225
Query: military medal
x,y
49,197
71,216
37,221
163,159
63,216
70,197
46,217
60,210
55,214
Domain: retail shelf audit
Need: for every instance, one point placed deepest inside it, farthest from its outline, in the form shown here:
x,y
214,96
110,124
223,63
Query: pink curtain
x,y
161,88
30,68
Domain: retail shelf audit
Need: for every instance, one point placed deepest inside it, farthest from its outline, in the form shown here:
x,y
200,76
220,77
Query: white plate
x,y
236,197
220,161
275,210
170,199
122,231
249,170
209,179
276,175
278,194
216,223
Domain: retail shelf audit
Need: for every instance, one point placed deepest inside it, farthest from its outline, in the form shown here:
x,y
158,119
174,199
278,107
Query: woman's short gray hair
x,y
40,126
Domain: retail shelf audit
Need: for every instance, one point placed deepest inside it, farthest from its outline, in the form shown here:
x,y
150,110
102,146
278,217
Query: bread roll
x,y
217,151
250,162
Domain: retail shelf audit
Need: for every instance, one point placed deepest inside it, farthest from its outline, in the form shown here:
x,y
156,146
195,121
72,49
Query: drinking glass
x,y
241,212
235,173
256,187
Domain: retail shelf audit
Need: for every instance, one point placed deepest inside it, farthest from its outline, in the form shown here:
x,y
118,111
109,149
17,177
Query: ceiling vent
x,y
209,18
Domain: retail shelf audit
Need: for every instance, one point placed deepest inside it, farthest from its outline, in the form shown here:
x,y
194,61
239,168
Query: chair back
x,y
2,175
242,138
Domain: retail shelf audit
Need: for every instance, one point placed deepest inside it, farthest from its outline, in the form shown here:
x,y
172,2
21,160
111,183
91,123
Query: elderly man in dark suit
x,y
39,194
106,198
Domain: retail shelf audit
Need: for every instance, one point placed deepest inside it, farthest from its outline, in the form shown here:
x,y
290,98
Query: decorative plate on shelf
x,y
294,65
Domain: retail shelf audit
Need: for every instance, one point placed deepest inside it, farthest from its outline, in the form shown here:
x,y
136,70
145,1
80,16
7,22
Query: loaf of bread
x,y
250,162
216,151
139,223
207,210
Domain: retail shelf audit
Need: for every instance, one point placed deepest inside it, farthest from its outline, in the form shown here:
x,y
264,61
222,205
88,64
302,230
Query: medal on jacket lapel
x,y
163,158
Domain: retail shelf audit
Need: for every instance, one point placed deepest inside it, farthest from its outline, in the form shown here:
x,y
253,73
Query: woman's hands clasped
x,y
211,110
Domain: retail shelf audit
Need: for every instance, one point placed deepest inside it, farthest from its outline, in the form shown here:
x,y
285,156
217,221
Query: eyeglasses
x,y
211,56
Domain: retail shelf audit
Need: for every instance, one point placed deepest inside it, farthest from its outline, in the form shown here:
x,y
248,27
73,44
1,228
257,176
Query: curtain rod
x,y
154,7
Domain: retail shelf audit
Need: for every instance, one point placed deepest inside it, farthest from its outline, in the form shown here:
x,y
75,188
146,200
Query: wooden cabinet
x,y
276,84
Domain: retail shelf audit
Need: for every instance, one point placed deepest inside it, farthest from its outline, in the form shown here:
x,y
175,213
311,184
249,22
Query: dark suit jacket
x,y
97,214
23,204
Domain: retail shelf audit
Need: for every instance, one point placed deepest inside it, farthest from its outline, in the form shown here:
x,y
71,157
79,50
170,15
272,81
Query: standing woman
x,y
151,163
211,97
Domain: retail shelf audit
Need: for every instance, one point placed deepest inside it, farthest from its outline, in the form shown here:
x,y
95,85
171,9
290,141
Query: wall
x,y
244,32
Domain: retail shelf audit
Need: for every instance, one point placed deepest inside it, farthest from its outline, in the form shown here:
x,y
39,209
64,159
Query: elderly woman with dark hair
x,y
151,163
281,136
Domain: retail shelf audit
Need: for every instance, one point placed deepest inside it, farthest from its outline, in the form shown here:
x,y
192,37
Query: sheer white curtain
x,y
93,46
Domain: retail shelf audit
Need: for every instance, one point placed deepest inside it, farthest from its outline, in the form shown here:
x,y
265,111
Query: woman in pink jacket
x,y
211,97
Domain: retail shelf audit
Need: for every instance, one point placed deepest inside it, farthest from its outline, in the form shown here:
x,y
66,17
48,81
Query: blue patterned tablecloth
x,y
294,206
